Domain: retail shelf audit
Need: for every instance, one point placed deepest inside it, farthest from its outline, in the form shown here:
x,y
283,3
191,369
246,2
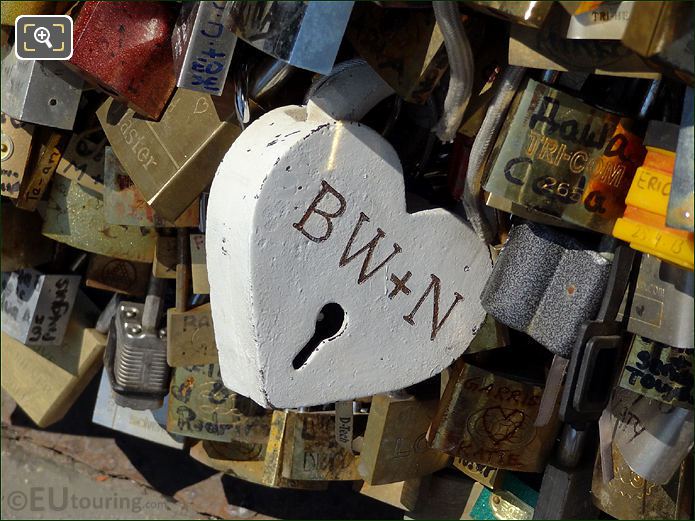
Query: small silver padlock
x,y
136,354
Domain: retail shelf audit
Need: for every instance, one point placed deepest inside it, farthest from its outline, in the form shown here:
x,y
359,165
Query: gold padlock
x,y
190,337
245,461
124,203
310,451
118,275
511,502
395,446
165,257
46,381
83,159
564,158
75,216
630,496
489,419
389,493
531,14
11,10
200,406
172,160
548,48
486,475
48,151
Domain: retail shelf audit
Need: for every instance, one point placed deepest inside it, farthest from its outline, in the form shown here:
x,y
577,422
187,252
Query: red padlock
x,y
125,49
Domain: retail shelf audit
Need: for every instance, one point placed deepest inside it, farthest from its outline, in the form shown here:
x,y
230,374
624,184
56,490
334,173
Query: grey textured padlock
x,y
41,92
546,284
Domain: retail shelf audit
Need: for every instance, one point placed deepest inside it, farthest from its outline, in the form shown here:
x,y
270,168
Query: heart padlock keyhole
x,y
328,322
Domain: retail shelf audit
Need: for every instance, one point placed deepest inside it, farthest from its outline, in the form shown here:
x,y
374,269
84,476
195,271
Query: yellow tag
x,y
650,190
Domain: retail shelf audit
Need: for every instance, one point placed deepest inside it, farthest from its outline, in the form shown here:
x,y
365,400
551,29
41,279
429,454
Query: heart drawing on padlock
x,y
323,287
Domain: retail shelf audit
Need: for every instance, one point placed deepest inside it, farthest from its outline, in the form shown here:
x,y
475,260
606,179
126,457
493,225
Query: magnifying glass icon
x,y
42,35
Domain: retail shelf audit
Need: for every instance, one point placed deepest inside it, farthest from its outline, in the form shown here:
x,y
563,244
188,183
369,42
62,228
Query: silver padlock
x,y
203,46
304,34
662,304
681,214
136,354
41,92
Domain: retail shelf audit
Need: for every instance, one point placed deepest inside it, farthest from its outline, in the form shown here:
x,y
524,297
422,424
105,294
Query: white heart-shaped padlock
x,y
323,287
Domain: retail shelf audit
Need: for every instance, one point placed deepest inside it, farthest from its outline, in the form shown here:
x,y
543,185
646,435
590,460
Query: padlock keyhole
x,y
328,322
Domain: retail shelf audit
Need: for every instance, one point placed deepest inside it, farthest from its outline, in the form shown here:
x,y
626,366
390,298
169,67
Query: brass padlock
x,y
629,496
46,381
190,337
171,161
395,446
310,451
531,14
516,500
245,461
124,203
118,275
201,407
165,257
83,159
489,419
653,438
562,157
608,21
390,493
47,151
548,48
11,10
75,216
486,475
